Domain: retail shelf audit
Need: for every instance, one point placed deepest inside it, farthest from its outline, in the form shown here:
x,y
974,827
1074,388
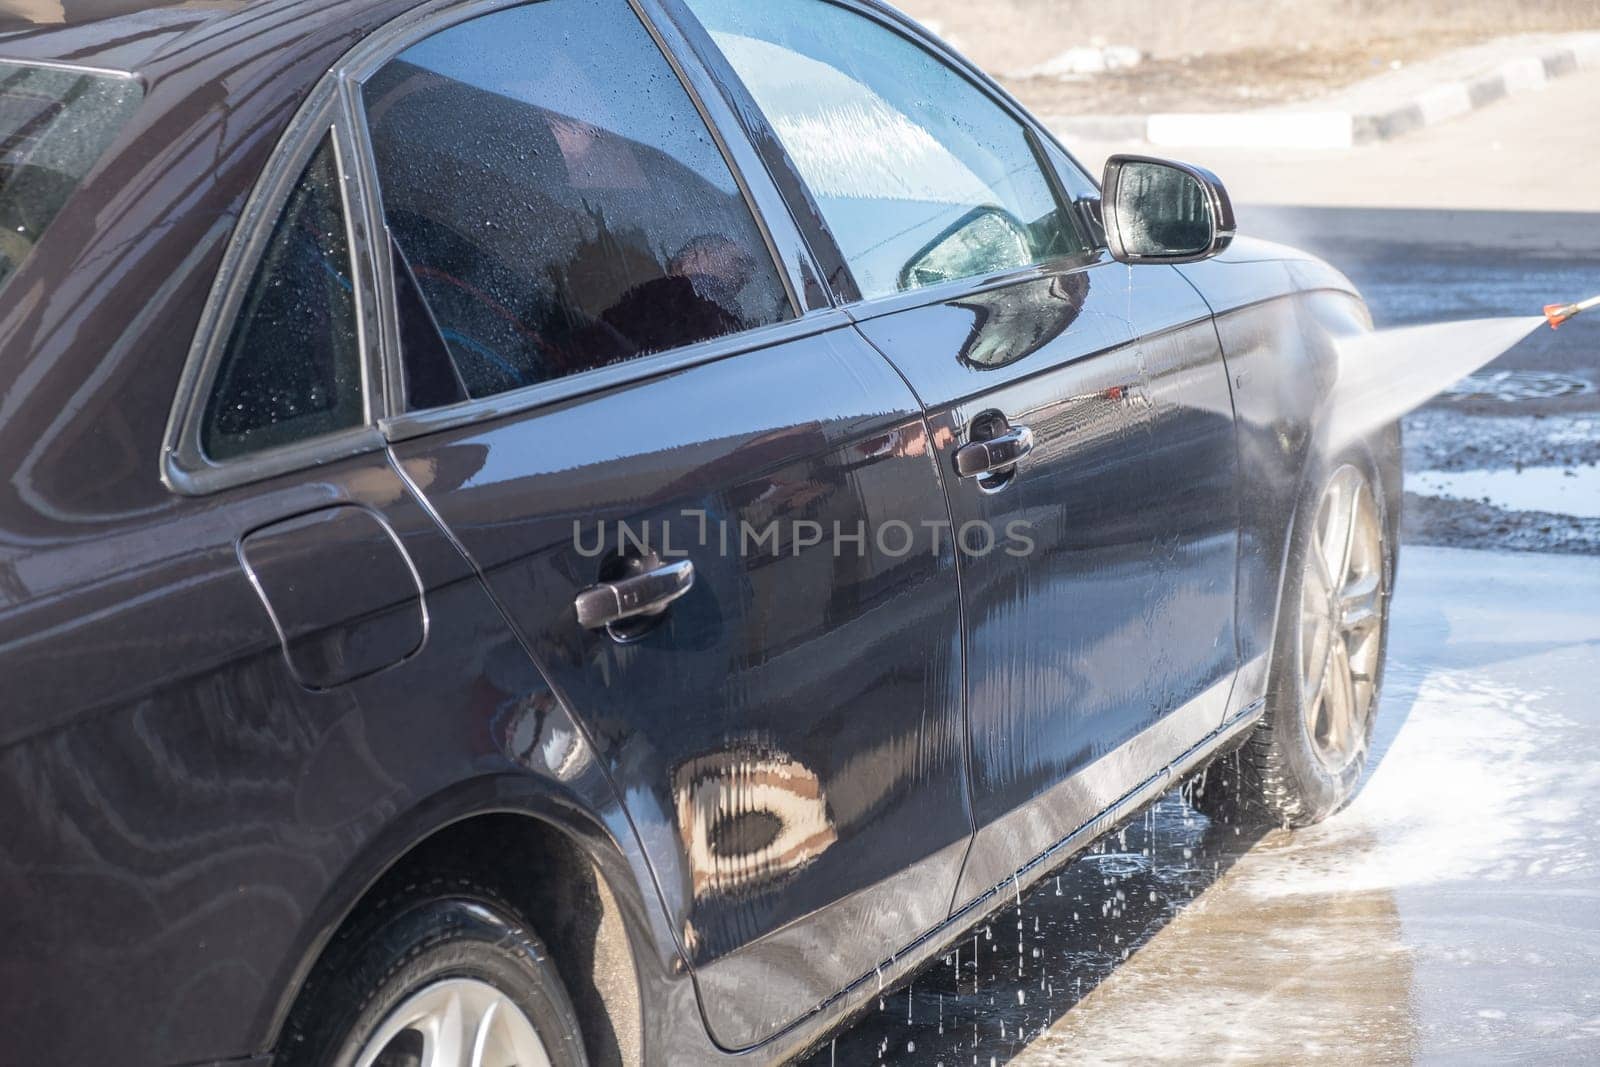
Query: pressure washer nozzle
x,y
1559,313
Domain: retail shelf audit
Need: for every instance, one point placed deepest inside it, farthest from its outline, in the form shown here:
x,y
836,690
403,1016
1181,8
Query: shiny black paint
x,y
341,591
200,819
187,823
93,548
1122,611
1278,313
789,737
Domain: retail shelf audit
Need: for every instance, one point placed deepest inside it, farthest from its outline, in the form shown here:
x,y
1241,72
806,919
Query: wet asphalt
x,y
1451,914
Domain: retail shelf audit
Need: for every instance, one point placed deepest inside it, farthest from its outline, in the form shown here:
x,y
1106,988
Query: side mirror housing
x,y
1162,211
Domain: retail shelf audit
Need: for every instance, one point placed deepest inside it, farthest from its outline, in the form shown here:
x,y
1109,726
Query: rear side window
x,y
292,366
557,200
920,175
54,124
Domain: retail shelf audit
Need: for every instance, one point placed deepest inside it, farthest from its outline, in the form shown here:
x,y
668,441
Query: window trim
x,y
400,422
185,467
334,105
404,425
858,307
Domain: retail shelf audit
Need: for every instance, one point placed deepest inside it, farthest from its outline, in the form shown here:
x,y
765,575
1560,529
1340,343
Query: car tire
x,y
423,978
1300,764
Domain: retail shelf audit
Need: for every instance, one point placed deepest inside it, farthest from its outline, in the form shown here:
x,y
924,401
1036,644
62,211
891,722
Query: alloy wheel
x,y
457,1022
1342,601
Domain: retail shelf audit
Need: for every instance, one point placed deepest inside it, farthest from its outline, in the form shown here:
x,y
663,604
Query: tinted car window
x,y
920,175
292,366
54,124
558,199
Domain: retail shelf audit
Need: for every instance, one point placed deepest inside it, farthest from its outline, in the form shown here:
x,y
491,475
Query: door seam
x,y
961,617
577,721
1238,492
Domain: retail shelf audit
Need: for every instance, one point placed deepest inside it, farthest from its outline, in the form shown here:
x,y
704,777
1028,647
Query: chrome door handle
x,y
994,455
643,594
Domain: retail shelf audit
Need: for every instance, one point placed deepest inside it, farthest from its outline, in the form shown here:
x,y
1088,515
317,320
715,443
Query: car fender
x,y
1279,315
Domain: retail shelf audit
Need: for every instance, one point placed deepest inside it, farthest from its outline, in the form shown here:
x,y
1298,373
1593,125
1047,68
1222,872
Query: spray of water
x,y
1386,373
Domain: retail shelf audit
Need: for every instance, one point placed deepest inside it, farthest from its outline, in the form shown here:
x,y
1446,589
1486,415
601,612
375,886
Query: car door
x,y
1080,408
706,504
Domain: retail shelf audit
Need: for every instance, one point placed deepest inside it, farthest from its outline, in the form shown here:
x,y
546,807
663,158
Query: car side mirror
x,y
1162,211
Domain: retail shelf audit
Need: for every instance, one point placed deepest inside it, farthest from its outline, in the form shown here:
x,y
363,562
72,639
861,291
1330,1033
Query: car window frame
x,y
845,290
185,466
334,107
811,309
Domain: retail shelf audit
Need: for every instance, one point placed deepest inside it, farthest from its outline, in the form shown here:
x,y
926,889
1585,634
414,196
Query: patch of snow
x,y
1085,59
1484,768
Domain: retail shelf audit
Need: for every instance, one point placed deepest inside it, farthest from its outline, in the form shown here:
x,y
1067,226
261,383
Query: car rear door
x,y
1081,409
625,390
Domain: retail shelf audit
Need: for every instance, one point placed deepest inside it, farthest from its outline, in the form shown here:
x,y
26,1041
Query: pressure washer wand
x,y
1559,313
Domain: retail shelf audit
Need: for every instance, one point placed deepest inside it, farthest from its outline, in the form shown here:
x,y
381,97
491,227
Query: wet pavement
x,y
1451,914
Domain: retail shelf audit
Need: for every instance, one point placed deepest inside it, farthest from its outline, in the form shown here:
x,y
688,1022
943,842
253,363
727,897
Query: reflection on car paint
x,y
1012,323
749,815
842,669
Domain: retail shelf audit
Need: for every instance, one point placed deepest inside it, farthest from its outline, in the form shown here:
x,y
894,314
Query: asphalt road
x,y
1452,913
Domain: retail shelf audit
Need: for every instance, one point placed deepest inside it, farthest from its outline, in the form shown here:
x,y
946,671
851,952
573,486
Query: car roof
x,y
133,36
122,35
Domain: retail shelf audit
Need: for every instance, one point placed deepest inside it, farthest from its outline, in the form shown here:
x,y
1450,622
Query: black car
x,y
608,530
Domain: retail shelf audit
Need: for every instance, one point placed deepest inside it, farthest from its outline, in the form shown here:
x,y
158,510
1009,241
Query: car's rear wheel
x,y
455,1022
1305,759
438,978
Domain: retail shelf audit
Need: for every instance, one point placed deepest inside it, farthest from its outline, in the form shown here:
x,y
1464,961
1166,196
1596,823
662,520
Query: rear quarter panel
x,y
186,823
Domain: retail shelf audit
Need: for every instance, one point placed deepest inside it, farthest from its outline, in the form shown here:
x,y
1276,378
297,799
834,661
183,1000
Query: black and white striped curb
x,y
1328,125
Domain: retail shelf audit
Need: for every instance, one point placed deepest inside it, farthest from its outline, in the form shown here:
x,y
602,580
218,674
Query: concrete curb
x,y
1346,119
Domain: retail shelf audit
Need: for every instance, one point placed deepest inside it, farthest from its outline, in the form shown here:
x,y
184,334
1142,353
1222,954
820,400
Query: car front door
x,y
1081,410
706,504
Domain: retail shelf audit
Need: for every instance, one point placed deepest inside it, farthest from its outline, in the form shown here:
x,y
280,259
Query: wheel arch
x,y
1279,315
547,855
